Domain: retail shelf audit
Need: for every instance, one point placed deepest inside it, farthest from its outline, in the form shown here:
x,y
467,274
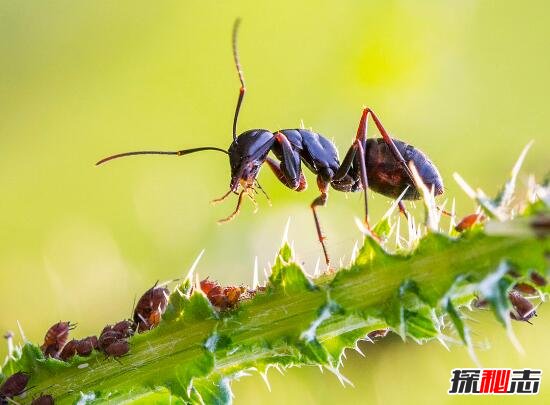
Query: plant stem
x,y
271,328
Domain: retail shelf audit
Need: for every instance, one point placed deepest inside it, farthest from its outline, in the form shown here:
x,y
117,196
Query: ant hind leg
x,y
321,201
403,209
389,141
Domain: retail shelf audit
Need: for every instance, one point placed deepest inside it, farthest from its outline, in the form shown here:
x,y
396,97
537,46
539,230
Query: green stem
x,y
294,322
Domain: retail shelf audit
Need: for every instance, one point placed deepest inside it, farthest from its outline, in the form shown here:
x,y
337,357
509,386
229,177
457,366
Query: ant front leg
x,y
276,169
288,170
321,201
237,209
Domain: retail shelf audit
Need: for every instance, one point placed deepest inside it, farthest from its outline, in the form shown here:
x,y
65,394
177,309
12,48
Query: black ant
x,y
381,163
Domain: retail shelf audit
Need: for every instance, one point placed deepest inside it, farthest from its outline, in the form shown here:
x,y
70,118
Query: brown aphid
x,y
107,328
232,294
118,348
221,297
216,295
93,341
55,338
207,285
14,385
150,307
469,221
125,327
43,400
378,334
525,288
523,309
86,346
538,279
107,338
69,350
514,273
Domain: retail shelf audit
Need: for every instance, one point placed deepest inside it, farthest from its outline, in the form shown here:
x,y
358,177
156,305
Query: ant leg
x,y
276,169
364,180
361,142
223,197
321,201
250,193
263,192
389,141
237,209
403,210
346,163
357,154
290,159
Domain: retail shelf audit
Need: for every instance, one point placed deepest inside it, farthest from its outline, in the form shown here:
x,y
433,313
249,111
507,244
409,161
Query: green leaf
x,y
495,288
289,279
176,305
458,323
383,227
285,253
408,315
198,308
184,374
215,390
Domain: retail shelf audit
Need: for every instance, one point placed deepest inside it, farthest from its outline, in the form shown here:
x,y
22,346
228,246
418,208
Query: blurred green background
x,y
467,82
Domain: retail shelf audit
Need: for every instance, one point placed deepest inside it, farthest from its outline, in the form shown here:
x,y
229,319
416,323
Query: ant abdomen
x,y
386,176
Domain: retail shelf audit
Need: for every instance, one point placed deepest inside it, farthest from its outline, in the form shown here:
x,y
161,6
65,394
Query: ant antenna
x,y
153,152
242,90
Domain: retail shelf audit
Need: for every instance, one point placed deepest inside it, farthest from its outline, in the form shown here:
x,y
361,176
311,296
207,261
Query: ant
x,y
381,163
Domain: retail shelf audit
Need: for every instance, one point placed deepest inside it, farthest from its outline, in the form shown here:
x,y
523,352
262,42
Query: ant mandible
x,y
381,163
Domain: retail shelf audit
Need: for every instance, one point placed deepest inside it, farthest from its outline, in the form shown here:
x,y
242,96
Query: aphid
x,y
378,334
525,288
208,285
125,328
83,347
43,400
69,350
86,346
538,279
150,308
523,309
381,163
108,336
55,338
14,385
214,292
232,295
221,297
469,221
118,348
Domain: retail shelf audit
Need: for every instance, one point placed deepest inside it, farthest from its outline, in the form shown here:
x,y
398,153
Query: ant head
x,y
246,156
